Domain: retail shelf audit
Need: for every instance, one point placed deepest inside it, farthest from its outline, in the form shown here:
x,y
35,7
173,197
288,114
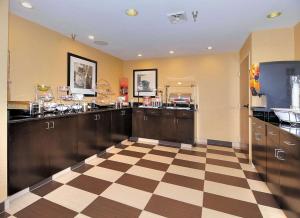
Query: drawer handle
x,y
288,143
280,154
48,126
259,127
272,133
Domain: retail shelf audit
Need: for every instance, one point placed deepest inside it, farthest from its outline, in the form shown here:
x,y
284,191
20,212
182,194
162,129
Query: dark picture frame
x,y
82,75
144,82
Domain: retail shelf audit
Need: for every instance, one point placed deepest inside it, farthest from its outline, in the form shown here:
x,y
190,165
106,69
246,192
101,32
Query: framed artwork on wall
x,y
82,75
144,82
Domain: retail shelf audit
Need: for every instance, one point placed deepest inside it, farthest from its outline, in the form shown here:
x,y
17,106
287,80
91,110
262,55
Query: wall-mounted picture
x,y
82,75
144,82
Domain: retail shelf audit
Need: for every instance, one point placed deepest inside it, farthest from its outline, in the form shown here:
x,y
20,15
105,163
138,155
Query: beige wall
x,y
246,49
297,41
3,97
39,55
217,80
273,45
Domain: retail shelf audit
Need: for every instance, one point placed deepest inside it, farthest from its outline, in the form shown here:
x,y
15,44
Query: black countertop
x,y
294,130
17,116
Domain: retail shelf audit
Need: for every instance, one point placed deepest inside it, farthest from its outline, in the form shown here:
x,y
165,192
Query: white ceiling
x,y
223,24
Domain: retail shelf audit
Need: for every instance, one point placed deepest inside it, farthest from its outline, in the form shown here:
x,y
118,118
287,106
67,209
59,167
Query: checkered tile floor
x,y
141,180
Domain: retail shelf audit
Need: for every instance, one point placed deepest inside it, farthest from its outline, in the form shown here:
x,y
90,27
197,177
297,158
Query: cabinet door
x,y
62,138
87,137
185,130
138,123
104,138
273,163
290,174
259,147
27,155
152,124
168,126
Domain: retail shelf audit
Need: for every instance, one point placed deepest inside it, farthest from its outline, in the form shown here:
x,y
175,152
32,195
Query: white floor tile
x,y
104,174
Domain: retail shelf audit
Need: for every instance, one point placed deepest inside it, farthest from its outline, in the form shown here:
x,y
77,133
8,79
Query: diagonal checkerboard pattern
x,y
143,180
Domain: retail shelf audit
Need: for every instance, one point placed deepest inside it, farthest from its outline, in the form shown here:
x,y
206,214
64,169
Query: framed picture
x,y
144,82
82,75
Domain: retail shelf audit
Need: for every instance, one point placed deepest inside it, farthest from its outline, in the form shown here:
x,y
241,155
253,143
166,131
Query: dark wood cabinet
x,y
28,161
151,125
87,137
61,143
103,131
138,123
121,125
273,163
289,157
169,124
282,162
163,124
259,147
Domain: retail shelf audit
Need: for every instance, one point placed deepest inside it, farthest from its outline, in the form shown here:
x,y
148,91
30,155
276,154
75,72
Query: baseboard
x,y
2,207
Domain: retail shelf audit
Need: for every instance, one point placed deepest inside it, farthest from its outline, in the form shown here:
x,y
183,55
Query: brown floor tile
x,y
252,175
4,215
132,153
143,145
114,165
265,199
163,153
228,180
172,208
153,165
121,146
103,207
189,152
83,168
231,206
227,153
106,155
189,164
243,160
45,209
47,188
201,146
223,163
137,182
90,184
183,181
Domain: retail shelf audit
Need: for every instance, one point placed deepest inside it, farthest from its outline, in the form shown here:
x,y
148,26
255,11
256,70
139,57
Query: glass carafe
x,y
295,92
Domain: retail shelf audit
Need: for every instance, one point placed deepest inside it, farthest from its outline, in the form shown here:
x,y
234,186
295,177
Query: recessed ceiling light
x,y
179,83
132,12
209,47
139,55
26,5
274,14
91,37
171,52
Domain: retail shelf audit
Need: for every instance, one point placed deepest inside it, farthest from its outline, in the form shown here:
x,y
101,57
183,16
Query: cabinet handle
x,y
259,127
99,116
288,143
280,157
175,121
48,125
272,133
53,125
96,117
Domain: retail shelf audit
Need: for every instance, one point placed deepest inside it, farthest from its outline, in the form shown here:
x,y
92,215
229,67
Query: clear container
x,y
295,91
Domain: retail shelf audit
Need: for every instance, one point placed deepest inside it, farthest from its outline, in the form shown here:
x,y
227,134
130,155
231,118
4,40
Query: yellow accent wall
x,y
273,45
39,55
3,97
218,89
297,41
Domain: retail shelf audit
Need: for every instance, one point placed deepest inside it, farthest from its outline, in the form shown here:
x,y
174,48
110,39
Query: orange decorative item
x,y
124,88
254,79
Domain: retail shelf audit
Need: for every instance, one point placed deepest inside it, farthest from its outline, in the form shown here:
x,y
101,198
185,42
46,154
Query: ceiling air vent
x,y
178,17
